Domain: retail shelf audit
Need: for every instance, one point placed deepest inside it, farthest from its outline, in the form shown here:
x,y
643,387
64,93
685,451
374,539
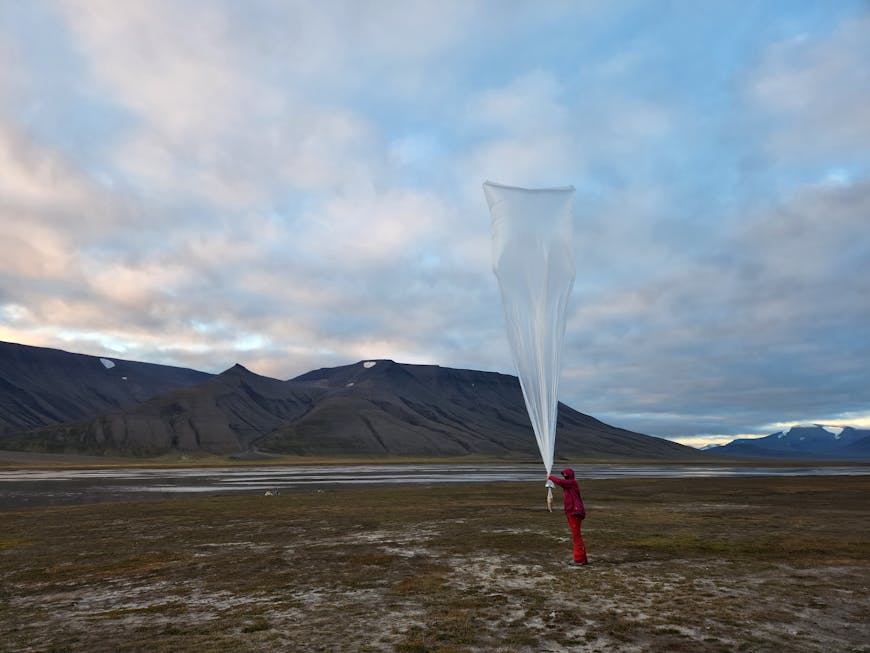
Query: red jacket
x,y
573,501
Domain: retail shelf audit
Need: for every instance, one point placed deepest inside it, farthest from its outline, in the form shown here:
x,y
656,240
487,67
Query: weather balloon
x,y
533,259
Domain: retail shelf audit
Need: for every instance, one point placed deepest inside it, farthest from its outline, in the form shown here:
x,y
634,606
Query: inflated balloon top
x,y
533,259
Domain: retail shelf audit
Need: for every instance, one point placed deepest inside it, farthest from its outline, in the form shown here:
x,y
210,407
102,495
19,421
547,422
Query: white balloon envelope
x,y
533,259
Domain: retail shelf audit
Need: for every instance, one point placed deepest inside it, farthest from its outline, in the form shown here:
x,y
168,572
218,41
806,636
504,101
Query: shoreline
x,y
13,460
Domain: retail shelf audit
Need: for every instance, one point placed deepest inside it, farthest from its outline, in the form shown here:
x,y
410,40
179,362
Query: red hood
x,y
568,473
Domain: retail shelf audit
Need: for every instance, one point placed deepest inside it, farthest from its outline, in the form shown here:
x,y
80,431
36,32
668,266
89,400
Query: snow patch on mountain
x,y
836,431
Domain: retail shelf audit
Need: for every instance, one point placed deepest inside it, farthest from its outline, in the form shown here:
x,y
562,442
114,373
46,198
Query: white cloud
x,y
39,177
816,91
368,228
206,126
172,66
699,441
526,139
528,105
47,208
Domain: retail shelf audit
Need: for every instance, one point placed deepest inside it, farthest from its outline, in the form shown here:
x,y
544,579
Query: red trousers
x,y
574,522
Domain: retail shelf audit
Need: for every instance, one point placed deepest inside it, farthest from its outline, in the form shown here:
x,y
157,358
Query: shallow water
x,y
48,487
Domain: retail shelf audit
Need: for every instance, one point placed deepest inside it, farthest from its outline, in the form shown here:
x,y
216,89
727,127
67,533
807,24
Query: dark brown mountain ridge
x,y
370,408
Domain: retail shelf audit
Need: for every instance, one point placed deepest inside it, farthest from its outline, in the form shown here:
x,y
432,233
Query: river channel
x,y
19,488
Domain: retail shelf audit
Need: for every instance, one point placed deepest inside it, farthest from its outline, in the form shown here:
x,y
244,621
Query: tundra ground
x,y
742,564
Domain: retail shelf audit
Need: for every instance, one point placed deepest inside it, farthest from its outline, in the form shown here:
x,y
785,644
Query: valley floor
x,y
713,564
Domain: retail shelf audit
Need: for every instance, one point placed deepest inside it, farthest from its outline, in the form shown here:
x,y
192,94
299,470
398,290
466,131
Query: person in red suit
x,y
575,512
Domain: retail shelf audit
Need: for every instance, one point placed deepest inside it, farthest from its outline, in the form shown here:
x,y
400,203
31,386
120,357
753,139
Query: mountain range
x,y
56,401
807,442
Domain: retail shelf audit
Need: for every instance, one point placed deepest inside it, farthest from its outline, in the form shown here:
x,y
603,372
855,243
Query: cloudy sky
x,y
293,185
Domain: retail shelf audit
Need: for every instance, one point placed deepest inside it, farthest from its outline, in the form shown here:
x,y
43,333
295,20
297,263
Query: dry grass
x,y
751,564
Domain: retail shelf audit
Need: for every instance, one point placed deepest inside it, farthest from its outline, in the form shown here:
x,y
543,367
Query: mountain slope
x,y
40,386
858,448
382,406
222,415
